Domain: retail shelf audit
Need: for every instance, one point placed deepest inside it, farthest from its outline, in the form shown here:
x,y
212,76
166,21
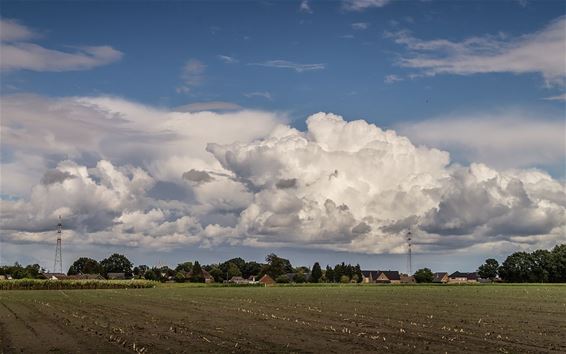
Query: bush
x,y
299,278
424,275
344,279
179,277
150,275
282,279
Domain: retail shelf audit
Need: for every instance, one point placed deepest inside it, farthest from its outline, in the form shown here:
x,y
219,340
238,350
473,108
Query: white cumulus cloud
x,y
121,173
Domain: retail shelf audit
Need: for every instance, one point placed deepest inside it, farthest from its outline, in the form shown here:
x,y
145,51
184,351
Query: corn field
x,y
41,284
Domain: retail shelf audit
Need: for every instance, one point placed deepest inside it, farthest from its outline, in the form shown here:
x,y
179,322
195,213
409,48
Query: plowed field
x,y
321,319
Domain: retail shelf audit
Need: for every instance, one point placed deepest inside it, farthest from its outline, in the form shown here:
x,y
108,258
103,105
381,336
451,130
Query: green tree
x,y
197,275
32,271
233,271
184,267
516,268
277,266
84,265
489,269
316,273
239,262
140,270
424,275
344,279
329,274
282,279
558,264
251,268
17,271
300,278
180,277
167,272
116,263
150,275
541,266
217,274
358,273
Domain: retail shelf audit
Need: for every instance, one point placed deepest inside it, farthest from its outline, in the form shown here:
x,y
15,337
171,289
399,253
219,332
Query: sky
x,y
321,131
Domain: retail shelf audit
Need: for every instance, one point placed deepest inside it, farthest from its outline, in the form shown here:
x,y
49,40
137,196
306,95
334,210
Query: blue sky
x,y
158,38
478,79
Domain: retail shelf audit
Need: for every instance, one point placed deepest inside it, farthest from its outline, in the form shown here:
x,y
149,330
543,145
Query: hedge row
x,y
40,284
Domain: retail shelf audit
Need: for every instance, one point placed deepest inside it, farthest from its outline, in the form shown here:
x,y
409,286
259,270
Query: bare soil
x,y
331,319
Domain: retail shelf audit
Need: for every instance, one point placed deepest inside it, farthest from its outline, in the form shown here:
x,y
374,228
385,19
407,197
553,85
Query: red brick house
x,y
266,280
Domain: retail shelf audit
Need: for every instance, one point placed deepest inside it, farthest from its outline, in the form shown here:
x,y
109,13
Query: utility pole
x,y
58,264
409,260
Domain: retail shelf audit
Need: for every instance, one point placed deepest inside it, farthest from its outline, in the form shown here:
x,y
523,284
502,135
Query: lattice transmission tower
x,y
58,264
409,255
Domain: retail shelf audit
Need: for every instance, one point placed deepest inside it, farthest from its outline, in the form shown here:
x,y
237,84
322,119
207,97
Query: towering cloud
x,y
126,174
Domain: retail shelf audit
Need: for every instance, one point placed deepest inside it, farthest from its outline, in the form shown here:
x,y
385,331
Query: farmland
x,y
367,318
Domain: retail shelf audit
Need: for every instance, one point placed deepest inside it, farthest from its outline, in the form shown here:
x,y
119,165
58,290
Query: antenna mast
x,y
58,264
409,260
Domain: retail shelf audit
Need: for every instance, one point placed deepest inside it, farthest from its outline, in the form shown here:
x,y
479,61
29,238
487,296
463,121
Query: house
x,y
53,276
86,277
407,279
252,279
116,276
459,278
473,277
3,277
207,277
238,280
441,277
369,276
389,276
266,280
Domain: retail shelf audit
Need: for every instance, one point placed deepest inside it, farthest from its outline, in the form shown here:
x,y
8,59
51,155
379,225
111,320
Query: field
x,y
337,319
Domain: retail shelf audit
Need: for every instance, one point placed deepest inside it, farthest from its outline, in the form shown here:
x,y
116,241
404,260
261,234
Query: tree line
x,y
540,266
279,269
520,267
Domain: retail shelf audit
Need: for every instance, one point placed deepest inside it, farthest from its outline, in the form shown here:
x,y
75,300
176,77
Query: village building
x,y
460,278
441,277
407,279
206,275
116,276
267,280
238,280
473,277
53,276
369,276
389,276
86,277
